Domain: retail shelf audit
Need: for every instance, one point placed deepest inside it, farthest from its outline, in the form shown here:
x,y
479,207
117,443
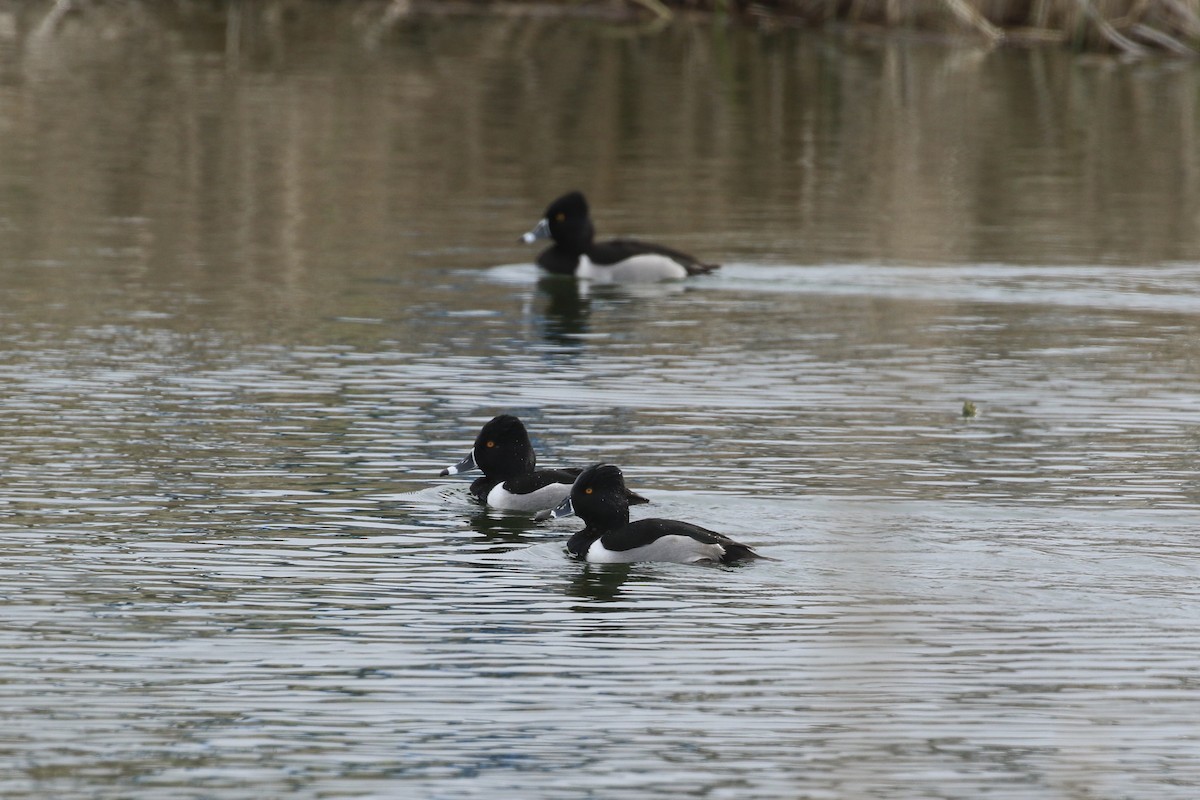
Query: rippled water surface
x,y
259,283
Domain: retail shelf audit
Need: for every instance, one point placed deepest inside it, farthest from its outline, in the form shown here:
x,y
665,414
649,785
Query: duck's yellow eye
x,y
588,490
559,217
491,444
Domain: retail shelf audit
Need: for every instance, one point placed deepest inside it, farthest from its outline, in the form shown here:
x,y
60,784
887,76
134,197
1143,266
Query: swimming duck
x,y
598,497
511,480
575,252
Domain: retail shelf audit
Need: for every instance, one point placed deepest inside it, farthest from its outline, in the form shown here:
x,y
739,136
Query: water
x,y
259,283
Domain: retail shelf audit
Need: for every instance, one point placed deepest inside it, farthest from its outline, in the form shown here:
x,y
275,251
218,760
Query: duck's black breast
x,y
481,486
558,260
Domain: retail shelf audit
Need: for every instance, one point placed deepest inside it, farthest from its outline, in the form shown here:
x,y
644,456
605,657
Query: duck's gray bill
x,y
564,509
466,465
540,231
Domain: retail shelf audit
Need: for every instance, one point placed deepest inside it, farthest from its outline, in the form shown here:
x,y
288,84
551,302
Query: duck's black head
x,y
600,499
503,450
569,223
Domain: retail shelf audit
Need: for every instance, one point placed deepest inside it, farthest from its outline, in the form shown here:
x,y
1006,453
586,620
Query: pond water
x,y
260,282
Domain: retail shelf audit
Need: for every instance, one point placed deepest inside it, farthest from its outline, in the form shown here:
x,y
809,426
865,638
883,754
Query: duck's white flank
x,y
639,269
672,547
544,498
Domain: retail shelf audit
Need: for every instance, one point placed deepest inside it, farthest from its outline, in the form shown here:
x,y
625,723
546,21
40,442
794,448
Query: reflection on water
x,y
567,308
239,350
601,583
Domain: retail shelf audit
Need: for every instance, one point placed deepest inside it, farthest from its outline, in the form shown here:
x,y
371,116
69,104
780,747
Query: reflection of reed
x,y
1127,26
288,144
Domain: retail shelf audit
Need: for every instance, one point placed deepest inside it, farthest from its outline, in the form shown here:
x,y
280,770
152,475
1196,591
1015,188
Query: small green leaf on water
x,y
968,408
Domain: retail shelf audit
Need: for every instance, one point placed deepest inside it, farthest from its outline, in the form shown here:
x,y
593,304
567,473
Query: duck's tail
x,y
698,268
740,552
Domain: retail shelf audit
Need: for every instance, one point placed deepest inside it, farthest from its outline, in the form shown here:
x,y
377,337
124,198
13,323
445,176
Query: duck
x,y
576,253
511,480
598,497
